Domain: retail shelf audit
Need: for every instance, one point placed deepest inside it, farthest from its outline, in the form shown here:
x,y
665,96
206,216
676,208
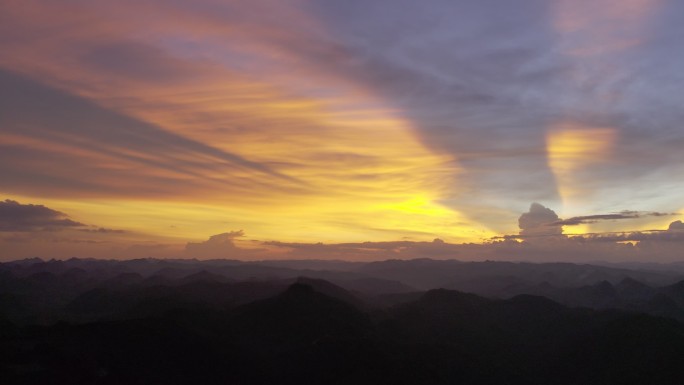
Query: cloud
x,y
103,230
364,251
654,246
147,251
17,217
592,219
539,221
75,240
674,233
220,246
476,72
135,60
627,214
63,144
479,82
555,249
676,226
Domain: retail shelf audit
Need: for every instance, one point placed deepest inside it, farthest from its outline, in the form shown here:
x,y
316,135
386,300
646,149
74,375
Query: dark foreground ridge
x,y
86,326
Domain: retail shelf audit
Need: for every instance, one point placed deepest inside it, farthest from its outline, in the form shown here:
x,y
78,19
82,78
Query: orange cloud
x,y
256,135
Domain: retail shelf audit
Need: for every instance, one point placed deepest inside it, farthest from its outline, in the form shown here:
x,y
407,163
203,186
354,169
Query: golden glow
x,y
591,32
633,243
573,149
355,170
583,228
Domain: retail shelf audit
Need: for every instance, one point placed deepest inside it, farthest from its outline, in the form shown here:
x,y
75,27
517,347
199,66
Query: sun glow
x,y
572,150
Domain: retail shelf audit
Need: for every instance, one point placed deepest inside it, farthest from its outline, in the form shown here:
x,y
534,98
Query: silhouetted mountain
x,y
300,315
531,339
375,286
485,277
598,296
393,299
145,301
204,276
663,305
632,290
675,291
7,329
331,290
123,280
39,291
298,335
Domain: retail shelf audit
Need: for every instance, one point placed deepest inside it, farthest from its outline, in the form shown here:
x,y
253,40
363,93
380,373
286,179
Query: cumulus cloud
x,y
542,221
538,221
676,226
220,246
17,217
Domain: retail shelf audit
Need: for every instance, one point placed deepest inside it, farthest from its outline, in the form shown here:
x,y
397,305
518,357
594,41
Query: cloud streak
x,y
58,118
608,217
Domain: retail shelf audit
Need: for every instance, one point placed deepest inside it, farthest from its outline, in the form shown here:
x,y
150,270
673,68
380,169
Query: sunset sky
x,y
342,129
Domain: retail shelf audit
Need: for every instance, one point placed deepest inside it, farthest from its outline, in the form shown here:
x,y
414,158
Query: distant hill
x,y
43,292
301,335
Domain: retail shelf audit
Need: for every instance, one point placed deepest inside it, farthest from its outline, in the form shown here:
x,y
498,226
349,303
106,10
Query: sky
x,y
342,129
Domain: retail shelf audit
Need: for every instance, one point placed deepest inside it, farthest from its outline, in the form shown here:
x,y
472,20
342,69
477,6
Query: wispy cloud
x,y
627,214
103,230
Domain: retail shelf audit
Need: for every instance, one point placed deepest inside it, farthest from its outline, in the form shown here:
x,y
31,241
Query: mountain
x,y
38,291
300,335
485,277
